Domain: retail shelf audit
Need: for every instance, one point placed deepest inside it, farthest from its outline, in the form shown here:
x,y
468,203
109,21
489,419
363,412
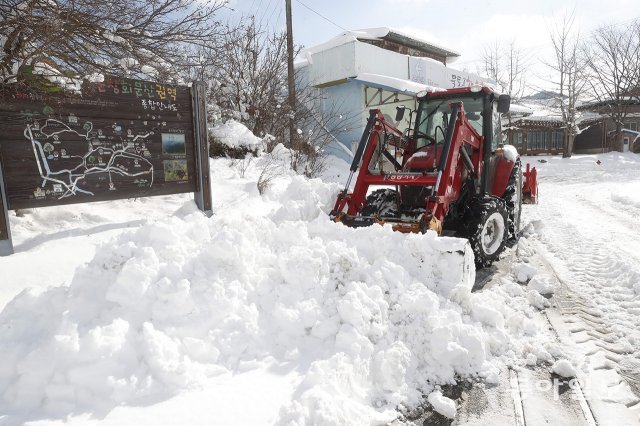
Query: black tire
x,y
382,202
513,200
487,229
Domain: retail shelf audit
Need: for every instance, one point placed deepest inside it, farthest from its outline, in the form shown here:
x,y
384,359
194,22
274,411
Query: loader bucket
x,y
530,186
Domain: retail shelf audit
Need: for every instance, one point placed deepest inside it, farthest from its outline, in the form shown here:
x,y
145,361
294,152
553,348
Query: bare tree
x,y
568,67
318,130
118,37
506,65
249,82
612,58
271,167
250,86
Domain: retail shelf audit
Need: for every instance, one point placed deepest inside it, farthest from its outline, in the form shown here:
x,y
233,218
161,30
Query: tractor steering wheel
x,y
418,134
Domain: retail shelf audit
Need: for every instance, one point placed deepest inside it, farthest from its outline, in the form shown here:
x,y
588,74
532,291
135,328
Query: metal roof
x,y
420,45
394,40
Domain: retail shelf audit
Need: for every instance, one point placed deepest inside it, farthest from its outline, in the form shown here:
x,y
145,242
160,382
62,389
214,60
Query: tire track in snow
x,y
593,254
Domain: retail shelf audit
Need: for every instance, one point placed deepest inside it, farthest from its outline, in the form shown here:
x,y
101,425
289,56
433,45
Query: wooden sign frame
x,y
6,245
116,139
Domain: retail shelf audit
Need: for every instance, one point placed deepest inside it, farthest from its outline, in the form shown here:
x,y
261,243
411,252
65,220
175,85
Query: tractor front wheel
x,y
513,199
487,229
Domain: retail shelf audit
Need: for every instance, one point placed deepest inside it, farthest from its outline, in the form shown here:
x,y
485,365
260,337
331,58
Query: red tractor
x,y
448,173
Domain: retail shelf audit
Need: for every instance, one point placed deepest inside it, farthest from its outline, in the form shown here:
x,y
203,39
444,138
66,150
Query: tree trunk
x,y
568,148
617,141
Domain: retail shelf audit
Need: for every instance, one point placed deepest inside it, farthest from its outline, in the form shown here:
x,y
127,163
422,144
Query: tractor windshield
x,y
433,118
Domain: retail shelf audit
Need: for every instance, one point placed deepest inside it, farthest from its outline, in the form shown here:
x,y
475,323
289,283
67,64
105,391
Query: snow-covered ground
x,y
589,224
146,312
587,235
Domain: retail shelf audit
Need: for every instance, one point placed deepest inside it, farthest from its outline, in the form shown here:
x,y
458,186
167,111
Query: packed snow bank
x,y
369,319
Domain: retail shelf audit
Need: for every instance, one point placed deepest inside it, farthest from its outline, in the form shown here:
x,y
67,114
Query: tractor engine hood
x,y
425,159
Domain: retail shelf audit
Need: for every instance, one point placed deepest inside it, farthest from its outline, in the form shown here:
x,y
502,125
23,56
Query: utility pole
x,y
290,77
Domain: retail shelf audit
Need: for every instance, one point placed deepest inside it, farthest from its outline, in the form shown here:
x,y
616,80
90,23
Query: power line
x,y
322,16
274,11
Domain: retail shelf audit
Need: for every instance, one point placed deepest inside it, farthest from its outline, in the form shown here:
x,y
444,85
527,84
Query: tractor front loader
x,y
447,174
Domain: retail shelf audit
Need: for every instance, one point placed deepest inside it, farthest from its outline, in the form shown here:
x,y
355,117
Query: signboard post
x,y
120,138
203,193
6,246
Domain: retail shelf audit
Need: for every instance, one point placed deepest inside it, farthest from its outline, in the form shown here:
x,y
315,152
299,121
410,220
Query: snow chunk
x,y
419,154
391,367
536,300
542,285
524,272
443,405
510,153
564,368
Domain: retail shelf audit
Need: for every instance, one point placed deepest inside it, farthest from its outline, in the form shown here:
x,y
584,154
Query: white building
x,y
375,68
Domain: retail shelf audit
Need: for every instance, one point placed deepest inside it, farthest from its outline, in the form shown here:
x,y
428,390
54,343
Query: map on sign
x,y
83,160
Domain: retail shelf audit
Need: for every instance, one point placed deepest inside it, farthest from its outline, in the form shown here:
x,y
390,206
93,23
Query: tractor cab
x,y
481,107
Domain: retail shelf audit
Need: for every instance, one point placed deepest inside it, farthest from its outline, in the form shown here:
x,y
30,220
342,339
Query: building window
x,y
557,140
631,125
517,140
537,140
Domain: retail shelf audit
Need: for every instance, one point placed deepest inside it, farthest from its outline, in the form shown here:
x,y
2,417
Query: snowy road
x,y
589,224
587,238
582,240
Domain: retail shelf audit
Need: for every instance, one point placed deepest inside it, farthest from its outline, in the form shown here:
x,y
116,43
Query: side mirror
x,y
400,112
504,102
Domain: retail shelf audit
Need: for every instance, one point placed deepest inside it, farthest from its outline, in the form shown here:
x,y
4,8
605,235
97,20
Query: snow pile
x,y
368,318
235,135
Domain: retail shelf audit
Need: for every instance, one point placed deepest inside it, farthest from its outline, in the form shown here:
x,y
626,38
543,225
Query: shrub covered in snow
x,y
233,140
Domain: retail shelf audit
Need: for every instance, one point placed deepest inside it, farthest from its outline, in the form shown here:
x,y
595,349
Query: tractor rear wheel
x,y
383,203
513,200
487,229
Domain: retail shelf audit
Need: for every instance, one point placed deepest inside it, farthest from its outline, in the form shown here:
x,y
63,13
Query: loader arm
x,y
446,180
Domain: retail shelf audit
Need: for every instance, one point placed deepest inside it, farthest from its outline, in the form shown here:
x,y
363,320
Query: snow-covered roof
x,y
520,109
393,84
624,100
386,34
544,115
633,132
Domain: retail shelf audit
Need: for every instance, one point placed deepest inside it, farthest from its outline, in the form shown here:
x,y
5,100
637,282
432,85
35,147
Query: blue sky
x,y
463,25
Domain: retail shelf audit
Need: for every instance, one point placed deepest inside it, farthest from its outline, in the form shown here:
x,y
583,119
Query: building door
x,y
625,144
